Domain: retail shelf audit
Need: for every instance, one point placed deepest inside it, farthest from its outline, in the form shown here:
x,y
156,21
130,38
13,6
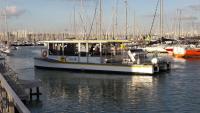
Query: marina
x,y
66,91
98,56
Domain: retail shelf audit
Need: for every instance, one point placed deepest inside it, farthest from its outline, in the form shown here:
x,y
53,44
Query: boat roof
x,y
86,41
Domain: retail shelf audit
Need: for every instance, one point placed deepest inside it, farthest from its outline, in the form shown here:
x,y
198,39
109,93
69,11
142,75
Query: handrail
x,y
17,101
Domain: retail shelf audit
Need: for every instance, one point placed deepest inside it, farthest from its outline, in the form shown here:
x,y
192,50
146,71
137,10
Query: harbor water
x,y
176,91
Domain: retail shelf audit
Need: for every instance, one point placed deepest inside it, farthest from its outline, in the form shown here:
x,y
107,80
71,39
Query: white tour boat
x,y
98,56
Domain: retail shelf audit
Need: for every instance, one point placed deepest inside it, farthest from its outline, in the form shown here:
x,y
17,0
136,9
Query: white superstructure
x,y
97,55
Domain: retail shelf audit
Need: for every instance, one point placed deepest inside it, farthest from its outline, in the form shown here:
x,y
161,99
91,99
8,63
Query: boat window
x,y
105,49
136,50
94,50
55,49
50,49
83,50
71,49
115,49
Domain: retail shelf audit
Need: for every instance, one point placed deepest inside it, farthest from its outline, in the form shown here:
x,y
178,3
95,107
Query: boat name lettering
x,y
73,59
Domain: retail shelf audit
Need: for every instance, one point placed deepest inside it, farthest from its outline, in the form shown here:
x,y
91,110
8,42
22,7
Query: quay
x,y
13,92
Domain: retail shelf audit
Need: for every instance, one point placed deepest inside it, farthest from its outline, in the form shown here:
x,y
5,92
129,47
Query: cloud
x,y
13,11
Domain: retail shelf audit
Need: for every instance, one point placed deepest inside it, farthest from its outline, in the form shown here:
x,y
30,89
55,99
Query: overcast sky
x,y
58,15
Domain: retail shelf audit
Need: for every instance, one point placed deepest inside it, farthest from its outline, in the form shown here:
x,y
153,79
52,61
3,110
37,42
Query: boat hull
x,y
189,53
139,69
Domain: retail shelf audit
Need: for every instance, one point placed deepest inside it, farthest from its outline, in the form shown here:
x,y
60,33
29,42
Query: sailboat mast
x,y
74,20
115,3
126,4
113,20
161,18
179,24
116,18
6,25
100,19
134,23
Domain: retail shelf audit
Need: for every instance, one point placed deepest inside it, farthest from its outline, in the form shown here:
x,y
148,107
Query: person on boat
x,y
97,50
91,51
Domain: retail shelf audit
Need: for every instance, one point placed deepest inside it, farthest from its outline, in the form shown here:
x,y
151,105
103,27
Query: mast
x,y
82,12
115,3
161,18
113,20
100,19
6,25
179,23
126,4
134,24
74,20
116,14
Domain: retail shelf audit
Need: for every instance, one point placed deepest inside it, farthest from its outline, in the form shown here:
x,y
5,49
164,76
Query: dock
x,y
13,91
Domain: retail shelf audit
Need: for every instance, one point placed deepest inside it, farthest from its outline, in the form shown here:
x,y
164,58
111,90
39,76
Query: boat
x,y
14,48
98,56
169,49
5,50
155,48
186,51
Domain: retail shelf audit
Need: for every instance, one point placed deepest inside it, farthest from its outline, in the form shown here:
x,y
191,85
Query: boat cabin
x,y
85,51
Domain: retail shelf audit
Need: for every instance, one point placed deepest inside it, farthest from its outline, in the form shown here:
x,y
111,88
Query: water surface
x,y
76,92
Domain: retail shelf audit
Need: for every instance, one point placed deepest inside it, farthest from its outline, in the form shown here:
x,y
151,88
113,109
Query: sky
x,y
58,15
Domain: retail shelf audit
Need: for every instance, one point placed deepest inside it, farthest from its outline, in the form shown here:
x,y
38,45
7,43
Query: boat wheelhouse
x,y
97,55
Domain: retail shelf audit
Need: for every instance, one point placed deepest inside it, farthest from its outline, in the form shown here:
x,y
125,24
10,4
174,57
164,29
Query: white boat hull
x,y
155,49
140,69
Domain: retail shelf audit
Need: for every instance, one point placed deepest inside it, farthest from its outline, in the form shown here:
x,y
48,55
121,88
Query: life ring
x,y
44,54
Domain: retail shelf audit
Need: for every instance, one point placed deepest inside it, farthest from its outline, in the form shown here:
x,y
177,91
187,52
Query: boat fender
x,y
154,61
156,68
44,54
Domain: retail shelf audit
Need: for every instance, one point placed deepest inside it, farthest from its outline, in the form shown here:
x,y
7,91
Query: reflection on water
x,y
69,92
84,92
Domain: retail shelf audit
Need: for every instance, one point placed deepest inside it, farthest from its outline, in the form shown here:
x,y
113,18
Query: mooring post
x,y
31,93
38,93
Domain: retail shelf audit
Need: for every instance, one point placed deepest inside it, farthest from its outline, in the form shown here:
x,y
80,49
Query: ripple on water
x,y
67,92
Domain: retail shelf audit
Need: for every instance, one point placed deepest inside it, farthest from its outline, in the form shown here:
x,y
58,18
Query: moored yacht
x,y
187,51
98,56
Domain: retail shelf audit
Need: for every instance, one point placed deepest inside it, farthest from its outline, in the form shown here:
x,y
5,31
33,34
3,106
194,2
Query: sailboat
x,y
4,48
157,47
185,51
